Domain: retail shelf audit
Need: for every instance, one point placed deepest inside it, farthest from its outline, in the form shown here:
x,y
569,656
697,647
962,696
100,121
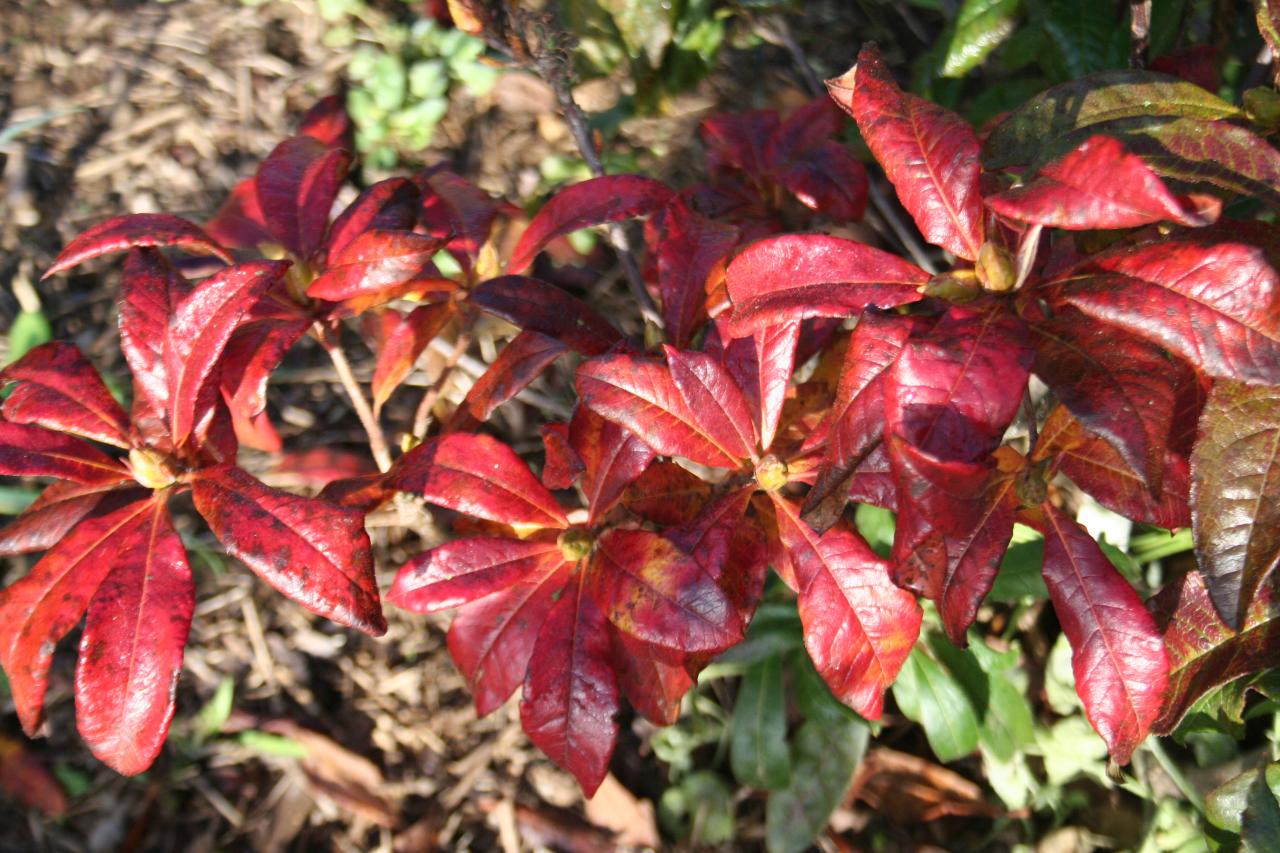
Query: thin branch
x,y
1139,32
422,417
377,439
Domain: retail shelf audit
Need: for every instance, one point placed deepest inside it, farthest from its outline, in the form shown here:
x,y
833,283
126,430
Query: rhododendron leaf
x,y
858,626
740,140
1097,185
611,458
60,389
406,341
521,361
536,306
390,205
691,247
253,353
652,686
135,230
1235,494
198,332
150,290
52,515
667,494
479,476
827,179
364,493
562,466
38,610
311,551
32,451
296,185
327,121
730,546
1117,655
762,365
466,569
610,198
929,153
715,401
239,222
131,648
455,208
795,276
376,267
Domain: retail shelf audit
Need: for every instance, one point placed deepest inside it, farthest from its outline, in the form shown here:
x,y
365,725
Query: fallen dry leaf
x,y
909,789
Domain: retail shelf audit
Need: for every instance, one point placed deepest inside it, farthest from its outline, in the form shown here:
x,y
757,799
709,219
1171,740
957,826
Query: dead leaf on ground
x,y
631,819
909,789
351,781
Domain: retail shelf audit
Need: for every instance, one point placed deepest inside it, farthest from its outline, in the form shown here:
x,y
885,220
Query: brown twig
x,y
422,416
1139,32
377,438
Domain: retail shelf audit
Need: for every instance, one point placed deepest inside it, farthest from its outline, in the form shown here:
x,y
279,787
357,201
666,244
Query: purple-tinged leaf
x,y
296,185
667,494
51,516
136,230
59,389
253,353
239,222
466,569
536,306
327,121
455,208
652,686
562,466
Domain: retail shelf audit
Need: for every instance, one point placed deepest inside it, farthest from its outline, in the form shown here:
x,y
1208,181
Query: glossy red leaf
x,y
929,153
32,451
571,696
479,476
1214,304
641,396
691,247
390,205
199,330
1235,494
827,179
562,466
466,569
610,198
131,648
713,398
133,230
521,361
858,627
611,457
536,306
1117,655
492,640
378,266
667,494
653,686
239,222
311,551
296,185
364,493
59,389
456,208
150,290
327,121
729,546
38,610
652,589
795,276
1097,185
406,341
252,354
51,516
762,366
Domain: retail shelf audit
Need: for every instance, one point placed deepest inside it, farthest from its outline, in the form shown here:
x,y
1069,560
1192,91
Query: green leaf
x,y
700,809
277,746
876,524
823,759
1085,36
758,749
30,329
645,26
15,499
1071,748
1227,804
930,696
1260,823
1059,680
72,779
812,695
1020,576
979,28
1006,723
215,713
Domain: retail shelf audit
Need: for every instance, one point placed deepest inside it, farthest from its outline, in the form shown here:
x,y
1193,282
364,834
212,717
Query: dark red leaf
x,y
740,141
296,185
390,205
794,276
150,290
521,361
805,128
762,365
59,389
563,466
828,179
239,223
327,121
571,692
1117,655
536,306
612,459
364,493
455,208
131,649
690,248
478,476
313,552
730,548
32,451
51,517
652,686
1197,63
466,569
402,346
713,398
929,153
253,353
667,494
138,229
375,267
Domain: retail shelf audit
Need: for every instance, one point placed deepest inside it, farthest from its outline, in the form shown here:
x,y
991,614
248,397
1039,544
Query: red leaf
x,y
641,396
828,179
1097,185
691,246
667,494
611,458
378,266
150,289
1213,304
795,276
655,591
478,476
296,186
404,344
858,627
762,365
455,208
199,330
254,351
58,509
536,306
137,229
390,205
59,389
239,223
653,686
492,640
312,552
521,361
32,451
562,466
131,649
327,121
929,153
466,569
740,140
364,493
730,548
571,692
1117,655
716,403
592,202
38,610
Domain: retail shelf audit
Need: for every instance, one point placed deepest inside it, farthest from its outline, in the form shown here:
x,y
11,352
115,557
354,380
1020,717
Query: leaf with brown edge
x,y
794,276
1097,185
610,198
667,494
536,306
1203,652
38,610
1117,655
131,648
1235,494
466,569
653,686
378,266
611,458
1215,304
521,361
761,365
363,493
691,247
492,640
51,516
929,153
479,476
651,588
404,343
136,230
199,330
32,451
296,185
150,289
311,551
571,695
858,627
713,398
641,396
58,388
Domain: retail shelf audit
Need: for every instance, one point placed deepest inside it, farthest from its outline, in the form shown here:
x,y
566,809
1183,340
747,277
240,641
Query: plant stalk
x,y
377,438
